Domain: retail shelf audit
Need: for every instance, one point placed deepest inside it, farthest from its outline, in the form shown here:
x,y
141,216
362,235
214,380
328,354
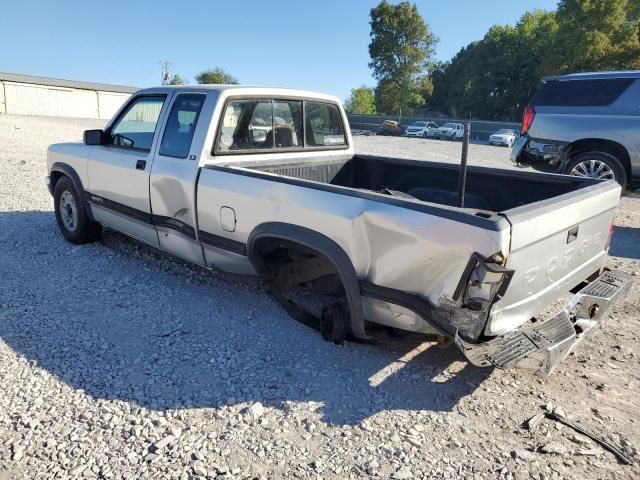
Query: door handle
x,y
141,164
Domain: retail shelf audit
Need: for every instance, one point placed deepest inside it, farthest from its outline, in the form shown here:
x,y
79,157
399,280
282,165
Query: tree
x,y
597,35
401,47
216,75
494,78
177,80
361,101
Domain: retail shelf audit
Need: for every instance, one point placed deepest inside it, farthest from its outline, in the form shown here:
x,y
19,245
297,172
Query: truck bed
x,y
488,189
558,224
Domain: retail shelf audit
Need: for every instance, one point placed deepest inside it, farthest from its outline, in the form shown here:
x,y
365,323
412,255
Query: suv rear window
x,y
581,93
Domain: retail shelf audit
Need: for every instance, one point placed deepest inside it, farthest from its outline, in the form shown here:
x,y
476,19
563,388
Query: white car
x,y
505,137
421,129
450,131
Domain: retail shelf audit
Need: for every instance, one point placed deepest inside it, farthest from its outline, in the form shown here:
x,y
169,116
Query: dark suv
x,y
584,124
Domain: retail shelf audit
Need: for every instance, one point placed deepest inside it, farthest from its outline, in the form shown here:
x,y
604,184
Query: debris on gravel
x,y
118,361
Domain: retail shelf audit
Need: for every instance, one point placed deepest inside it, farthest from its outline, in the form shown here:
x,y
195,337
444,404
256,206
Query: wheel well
x,y
54,177
300,265
608,146
312,259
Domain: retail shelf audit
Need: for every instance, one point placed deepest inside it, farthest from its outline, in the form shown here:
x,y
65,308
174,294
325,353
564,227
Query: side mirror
x,y
93,137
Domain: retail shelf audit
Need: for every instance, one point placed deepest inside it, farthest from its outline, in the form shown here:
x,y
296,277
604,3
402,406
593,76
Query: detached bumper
x,y
542,155
542,346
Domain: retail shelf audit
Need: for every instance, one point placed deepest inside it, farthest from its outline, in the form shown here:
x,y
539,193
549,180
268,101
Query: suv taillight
x,y
527,119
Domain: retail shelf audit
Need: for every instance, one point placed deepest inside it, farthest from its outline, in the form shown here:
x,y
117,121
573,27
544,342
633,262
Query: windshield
x,y
418,124
449,125
505,131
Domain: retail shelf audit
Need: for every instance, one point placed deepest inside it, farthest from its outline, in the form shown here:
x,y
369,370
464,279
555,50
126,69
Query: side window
x,y
135,129
581,93
323,125
246,125
178,133
287,123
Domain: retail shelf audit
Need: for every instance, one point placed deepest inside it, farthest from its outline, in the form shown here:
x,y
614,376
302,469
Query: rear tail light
x,y
487,281
610,237
527,119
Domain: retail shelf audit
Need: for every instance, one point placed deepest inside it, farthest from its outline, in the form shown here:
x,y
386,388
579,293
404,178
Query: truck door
x,y
118,169
173,180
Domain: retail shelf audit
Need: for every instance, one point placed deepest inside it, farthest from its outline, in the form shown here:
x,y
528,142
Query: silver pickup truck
x,y
265,181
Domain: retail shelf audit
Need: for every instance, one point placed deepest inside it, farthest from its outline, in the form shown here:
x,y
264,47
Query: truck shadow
x,y
120,320
625,243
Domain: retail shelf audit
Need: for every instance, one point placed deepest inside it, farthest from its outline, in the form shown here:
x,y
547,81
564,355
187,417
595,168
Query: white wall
x,y
109,103
2,108
46,100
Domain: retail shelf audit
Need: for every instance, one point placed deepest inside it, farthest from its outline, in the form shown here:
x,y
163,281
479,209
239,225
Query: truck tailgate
x,y
555,245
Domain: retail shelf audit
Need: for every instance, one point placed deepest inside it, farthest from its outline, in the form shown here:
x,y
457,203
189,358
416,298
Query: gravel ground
x,y
117,361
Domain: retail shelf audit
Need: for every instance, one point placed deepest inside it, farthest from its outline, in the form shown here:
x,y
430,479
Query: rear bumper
x,y
543,345
542,155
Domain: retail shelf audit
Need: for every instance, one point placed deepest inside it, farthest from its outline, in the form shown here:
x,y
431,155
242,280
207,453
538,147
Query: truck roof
x,y
595,75
231,90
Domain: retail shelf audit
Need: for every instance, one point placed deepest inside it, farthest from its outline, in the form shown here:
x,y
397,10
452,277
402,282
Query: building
x,y
30,95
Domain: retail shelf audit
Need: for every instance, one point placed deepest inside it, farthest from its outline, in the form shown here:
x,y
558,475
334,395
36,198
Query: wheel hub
x,y
593,169
68,211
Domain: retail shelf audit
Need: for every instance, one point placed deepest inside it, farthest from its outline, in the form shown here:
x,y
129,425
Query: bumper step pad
x,y
542,346
522,344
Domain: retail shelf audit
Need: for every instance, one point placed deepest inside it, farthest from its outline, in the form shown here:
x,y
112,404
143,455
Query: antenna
x,y
166,72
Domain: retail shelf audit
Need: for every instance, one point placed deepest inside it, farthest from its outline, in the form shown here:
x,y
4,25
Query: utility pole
x,y
166,72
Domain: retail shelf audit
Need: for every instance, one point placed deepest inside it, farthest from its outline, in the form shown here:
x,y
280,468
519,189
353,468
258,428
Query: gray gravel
x,y
117,361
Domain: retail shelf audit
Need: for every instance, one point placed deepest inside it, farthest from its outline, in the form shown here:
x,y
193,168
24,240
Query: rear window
x,y
323,125
581,93
267,124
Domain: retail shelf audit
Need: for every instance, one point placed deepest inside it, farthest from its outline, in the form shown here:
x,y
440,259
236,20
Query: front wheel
x,y
72,219
598,165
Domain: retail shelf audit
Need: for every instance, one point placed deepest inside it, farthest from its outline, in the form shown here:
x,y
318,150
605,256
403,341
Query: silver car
x,y
586,125
422,129
504,137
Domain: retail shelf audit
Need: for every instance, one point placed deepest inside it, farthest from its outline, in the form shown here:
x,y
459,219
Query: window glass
x,y
246,125
323,125
135,129
581,93
287,123
178,134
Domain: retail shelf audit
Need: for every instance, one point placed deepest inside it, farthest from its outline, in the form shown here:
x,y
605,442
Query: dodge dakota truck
x,y
265,181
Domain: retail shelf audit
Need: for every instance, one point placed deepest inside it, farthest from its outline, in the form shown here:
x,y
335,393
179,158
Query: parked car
x,y
421,129
389,127
505,137
185,170
586,125
450,131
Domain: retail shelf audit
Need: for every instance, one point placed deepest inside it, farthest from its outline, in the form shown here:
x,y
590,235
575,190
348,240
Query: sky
x,y
316,45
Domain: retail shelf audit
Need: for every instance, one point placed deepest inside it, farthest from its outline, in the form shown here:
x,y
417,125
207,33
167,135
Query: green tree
x,y
401,47
495,77
361,101
217,76
177,80
597,35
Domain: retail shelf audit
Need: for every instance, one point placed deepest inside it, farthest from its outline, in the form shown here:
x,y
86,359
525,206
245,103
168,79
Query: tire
x,y
71,216
333,323
605,165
